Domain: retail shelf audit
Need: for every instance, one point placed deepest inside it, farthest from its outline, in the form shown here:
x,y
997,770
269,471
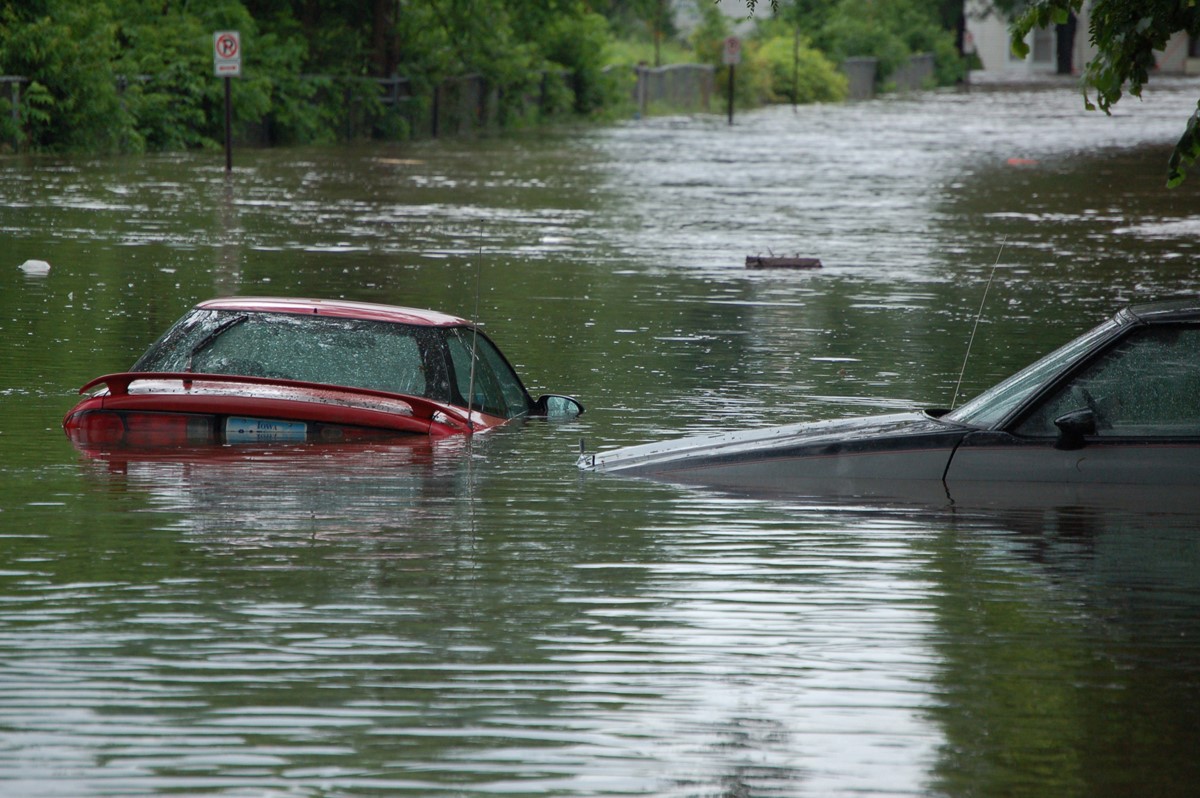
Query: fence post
x,y
437,101
481,102
640,71
14,92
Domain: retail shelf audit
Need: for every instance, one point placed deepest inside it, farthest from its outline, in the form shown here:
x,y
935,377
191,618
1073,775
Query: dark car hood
x,y
847,435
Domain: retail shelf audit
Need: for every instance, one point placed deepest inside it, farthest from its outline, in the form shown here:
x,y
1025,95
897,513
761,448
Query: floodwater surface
x,y
479,618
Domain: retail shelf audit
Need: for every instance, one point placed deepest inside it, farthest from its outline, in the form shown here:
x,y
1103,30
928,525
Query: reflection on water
x,y
331,490
1087,632
473,619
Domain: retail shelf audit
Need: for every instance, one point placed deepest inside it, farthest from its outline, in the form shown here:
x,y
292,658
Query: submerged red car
x,y
265,369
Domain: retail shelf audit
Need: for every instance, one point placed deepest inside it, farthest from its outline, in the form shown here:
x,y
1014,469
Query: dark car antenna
x,y
971,340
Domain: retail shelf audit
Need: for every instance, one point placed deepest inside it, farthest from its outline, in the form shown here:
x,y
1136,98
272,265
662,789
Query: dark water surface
x,y
469,620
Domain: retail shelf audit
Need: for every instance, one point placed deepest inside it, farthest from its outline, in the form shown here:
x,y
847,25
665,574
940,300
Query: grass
x,y
634,51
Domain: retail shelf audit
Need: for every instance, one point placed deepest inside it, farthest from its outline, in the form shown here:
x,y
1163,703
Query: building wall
x,y
988,32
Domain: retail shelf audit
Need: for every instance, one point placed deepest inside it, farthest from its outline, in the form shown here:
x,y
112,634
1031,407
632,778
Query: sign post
x,y
732,56
227,64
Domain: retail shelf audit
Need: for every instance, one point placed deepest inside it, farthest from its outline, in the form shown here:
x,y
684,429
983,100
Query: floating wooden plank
x,y
773,262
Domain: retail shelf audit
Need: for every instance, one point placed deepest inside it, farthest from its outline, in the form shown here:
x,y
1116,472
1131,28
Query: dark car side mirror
x,y
1073,427
556,407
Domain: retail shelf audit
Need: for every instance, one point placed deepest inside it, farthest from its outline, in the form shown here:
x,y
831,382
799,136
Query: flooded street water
x,y
481,619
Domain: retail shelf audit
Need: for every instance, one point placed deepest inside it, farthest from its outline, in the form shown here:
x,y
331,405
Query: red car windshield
x,y
433,362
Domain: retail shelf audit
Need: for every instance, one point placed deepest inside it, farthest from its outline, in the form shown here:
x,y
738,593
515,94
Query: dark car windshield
x,y
386,356
999,402
1147,385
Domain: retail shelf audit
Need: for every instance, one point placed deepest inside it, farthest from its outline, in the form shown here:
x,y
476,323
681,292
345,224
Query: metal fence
x,y
861,74
398,107
914,75
680,87
14,92
394,107
461,105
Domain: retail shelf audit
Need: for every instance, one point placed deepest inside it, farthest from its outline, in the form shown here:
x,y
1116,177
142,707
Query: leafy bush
x,y
166,82
66,50
765,74
815,78
578,44
890,31
136,75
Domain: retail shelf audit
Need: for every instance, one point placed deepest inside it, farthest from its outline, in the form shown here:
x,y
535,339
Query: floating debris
x,y
32,266
776,262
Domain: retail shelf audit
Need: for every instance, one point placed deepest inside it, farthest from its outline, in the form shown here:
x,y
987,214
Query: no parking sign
x,y
227,54
731,55
227,63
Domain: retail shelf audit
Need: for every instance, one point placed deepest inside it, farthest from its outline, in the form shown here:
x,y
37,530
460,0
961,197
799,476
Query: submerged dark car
x,y
1119,406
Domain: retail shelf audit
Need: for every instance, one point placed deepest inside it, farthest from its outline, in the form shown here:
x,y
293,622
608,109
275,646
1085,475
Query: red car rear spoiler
x,y
118,385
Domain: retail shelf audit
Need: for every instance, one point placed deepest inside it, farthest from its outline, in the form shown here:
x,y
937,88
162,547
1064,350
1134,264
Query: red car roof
x,y
338,308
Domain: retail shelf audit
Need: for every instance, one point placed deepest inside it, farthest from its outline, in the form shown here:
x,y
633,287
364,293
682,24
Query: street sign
x,y
227,63
731,56
733,51
227,54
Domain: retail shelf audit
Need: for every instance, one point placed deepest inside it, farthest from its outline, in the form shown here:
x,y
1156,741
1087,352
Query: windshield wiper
x,y
208,340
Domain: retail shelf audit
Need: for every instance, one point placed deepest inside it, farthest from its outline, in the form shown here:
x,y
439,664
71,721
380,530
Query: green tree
x,y
134,75
888,30
657,16
809,16
796,72
578,43
66,50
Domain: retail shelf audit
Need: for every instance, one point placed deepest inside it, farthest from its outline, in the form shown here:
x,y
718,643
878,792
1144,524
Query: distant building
x,y
1057,50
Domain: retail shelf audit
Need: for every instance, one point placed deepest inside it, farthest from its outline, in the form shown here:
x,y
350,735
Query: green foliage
x,y
1186,151
769,64
66,48
890,31
166,81
631,52
808,16
578,43
859,32
816,78
708,37
136,75
37,106
648,21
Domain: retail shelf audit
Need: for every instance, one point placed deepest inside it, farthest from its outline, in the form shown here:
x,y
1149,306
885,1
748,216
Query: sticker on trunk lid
x,y
259,430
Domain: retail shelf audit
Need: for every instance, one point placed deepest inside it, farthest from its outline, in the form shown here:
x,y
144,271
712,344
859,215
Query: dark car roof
x,y
337,308
1167,310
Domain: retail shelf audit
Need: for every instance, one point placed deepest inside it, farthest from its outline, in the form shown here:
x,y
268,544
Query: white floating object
x,y
32,266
